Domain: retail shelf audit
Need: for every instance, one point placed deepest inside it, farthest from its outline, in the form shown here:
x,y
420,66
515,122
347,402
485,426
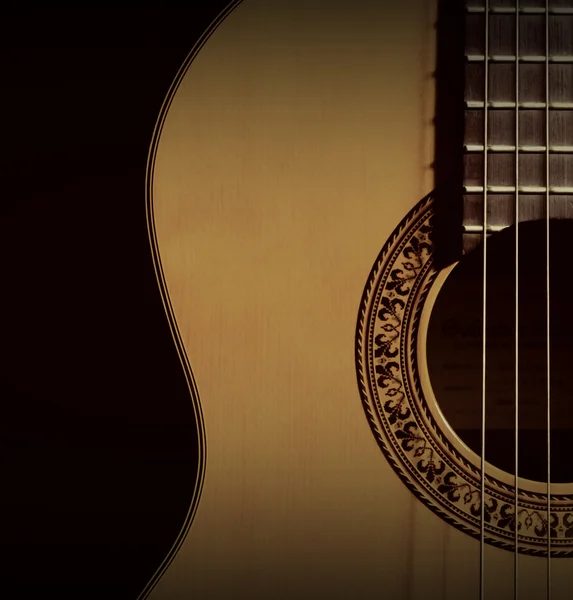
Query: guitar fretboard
x,y
518,80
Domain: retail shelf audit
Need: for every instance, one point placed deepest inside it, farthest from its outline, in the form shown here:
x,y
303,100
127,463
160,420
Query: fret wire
x,y
484,309
516,358
524,10
523,189
502,148
510,58
479,228
529,105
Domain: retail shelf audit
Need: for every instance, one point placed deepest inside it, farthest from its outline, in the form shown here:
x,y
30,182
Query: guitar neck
x,y
518,117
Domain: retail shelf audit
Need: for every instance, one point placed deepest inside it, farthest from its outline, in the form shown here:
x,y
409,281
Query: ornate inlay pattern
x,y
420,452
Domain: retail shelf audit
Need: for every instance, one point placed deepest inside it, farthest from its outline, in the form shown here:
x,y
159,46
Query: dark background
x,y
98,447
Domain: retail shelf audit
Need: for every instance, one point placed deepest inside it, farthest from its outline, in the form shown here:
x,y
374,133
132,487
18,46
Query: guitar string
x,y
548,375
484,303
516,424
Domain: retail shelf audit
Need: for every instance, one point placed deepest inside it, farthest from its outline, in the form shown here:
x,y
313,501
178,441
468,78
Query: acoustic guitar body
x,y
292,165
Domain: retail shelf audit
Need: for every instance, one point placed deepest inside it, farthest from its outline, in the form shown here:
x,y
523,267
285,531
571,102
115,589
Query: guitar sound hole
x,y
454,350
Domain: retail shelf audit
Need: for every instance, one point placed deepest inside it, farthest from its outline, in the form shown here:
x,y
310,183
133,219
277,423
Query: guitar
x,y
331,198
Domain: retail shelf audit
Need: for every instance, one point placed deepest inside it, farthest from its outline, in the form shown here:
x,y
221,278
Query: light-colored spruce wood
x,y
297,140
